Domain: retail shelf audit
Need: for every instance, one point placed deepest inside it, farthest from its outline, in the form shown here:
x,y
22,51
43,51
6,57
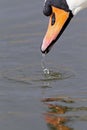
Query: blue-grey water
x,y
30,99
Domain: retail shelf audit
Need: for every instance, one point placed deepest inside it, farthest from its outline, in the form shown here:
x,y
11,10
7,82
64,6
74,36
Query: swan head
x,y
58,21
60,15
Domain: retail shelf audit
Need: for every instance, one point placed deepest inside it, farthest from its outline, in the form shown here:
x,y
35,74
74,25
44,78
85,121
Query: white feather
x,y
76,5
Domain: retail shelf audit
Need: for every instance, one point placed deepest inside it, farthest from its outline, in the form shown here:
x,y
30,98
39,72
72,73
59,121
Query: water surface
x,y
30,99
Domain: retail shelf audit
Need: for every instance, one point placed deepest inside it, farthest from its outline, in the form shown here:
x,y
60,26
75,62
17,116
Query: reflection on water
x,y
60,117
23,83
56,123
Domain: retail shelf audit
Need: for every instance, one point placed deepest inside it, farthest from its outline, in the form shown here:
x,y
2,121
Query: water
x,y
43,65
34,96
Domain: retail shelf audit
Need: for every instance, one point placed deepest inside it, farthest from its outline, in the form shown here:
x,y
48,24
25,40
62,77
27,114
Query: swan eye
x,y
53,19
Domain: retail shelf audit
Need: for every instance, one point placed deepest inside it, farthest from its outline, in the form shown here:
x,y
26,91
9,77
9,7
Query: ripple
x,y
57,73
29,74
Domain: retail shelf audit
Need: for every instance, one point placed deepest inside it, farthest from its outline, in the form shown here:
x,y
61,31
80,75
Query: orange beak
x,y
57,23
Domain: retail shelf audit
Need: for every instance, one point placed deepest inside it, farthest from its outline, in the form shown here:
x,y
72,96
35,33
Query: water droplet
x,y
43,65
43,61
46,71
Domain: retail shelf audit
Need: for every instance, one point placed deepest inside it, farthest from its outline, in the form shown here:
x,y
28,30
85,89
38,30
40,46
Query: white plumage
x,y
76,5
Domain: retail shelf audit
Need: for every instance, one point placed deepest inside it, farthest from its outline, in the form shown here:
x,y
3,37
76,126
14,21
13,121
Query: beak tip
x,y
44,50
45,47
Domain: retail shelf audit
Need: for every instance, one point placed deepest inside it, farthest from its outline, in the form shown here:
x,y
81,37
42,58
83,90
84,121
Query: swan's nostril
x,y
53,19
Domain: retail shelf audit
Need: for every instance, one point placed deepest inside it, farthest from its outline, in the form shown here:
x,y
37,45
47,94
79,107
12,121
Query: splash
x,y
54,73
43,65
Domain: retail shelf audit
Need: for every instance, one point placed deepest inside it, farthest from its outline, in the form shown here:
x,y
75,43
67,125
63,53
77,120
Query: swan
x,y
61,12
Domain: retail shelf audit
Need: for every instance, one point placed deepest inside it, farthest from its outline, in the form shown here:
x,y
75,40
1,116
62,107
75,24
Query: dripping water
x,y
43,65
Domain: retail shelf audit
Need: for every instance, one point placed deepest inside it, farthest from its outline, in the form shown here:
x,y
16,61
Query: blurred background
x,y
30,99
